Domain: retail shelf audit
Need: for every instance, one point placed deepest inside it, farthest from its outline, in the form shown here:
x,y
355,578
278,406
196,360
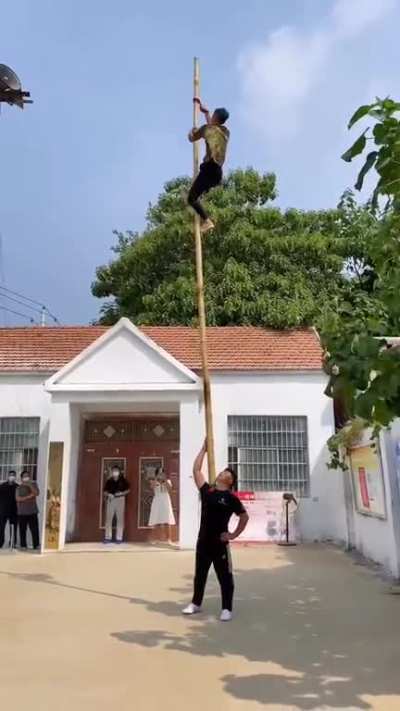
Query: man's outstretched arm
x,y
197,133
198,475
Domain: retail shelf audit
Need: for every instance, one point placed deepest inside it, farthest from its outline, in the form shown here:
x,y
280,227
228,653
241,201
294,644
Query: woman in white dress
x,y
161,514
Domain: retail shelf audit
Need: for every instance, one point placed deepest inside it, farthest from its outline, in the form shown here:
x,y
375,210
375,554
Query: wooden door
x,y
146,461
137,459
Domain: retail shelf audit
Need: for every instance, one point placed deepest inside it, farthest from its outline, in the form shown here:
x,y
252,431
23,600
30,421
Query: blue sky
x,y
112,84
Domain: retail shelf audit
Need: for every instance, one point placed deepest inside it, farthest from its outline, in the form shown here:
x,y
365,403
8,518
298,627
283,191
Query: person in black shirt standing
x,y
8,507
115,491
218,503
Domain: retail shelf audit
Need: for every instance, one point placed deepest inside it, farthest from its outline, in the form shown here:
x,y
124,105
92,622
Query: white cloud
x,y
279,75
352,17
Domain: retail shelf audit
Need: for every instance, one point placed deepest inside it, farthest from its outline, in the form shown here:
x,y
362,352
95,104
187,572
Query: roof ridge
x,y
269,329
32,349
51,328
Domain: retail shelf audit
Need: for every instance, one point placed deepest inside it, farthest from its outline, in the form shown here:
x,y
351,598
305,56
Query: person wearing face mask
x,y
116,490
26,495
8,507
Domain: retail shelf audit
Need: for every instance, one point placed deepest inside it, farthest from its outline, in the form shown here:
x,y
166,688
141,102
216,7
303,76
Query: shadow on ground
x,y
329,636
328,646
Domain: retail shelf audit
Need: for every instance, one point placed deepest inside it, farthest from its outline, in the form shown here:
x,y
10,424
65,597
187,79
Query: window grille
x,y
19,445
269,453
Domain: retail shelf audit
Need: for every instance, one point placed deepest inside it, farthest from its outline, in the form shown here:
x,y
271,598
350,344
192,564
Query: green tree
x,y
365,372
262,266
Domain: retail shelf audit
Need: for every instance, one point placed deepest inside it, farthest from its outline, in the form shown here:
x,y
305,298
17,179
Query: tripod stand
x,y
288,499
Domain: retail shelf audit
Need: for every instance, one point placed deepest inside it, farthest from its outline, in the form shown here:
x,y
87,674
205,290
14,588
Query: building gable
x,y
123,358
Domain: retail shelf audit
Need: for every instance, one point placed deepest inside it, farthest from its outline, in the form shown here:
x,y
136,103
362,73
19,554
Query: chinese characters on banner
x,y
368,483
267,519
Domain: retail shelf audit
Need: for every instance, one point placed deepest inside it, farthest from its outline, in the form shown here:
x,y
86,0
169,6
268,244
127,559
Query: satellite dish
x,y
11,88
9,79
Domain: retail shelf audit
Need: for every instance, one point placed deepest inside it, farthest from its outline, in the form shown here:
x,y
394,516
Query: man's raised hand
x,y
202,108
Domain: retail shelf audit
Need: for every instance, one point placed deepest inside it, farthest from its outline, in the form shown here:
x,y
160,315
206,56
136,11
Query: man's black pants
x,y
210,175
12,520
32,521
218,554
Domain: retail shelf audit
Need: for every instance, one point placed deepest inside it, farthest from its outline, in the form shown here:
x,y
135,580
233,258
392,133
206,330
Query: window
x,y
269,453
19,444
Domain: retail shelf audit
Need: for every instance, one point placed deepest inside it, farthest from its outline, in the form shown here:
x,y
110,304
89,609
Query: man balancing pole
x,y
218,503
216,136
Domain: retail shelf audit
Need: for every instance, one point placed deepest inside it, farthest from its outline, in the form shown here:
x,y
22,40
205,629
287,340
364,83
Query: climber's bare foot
x,y
206,226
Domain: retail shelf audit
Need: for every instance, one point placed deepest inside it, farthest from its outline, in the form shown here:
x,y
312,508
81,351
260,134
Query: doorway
x,y
139,447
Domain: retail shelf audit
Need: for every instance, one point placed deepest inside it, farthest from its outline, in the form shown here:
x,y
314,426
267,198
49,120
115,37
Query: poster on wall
x,y
53,498
367,474
267,520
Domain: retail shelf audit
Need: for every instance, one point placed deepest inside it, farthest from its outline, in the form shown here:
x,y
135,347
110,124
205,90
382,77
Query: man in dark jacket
x,y
8,508
26,496
115,491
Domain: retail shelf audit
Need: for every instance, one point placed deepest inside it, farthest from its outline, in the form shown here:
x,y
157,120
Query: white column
x,y
60,431
220,430
192,433
42,464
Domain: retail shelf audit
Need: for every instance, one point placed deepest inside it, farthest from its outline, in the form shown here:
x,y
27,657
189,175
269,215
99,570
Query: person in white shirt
x,y
161,517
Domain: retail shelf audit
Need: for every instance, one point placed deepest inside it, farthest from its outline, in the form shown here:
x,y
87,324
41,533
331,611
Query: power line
x,y
21,303
18,313
2,273
43,307
27,298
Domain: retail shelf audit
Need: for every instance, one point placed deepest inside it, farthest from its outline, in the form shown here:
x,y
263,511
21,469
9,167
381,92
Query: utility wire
x,y
32,301
27,298
2,277
21,303
18,313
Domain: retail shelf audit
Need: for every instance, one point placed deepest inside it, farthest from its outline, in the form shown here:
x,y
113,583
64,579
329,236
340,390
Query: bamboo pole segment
x,y
200,294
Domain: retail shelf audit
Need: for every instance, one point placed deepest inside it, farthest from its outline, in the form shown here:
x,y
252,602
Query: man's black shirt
x,y
217,508
114,486
8,504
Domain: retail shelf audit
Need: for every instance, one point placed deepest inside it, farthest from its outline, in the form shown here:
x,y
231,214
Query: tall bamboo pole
x,y
200,294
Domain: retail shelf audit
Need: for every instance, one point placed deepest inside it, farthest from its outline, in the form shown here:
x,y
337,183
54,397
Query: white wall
x,y
322,515
124,359
191,439
379,539
25,396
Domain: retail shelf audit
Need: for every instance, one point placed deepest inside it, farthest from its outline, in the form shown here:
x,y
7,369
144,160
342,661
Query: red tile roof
x,y
36,349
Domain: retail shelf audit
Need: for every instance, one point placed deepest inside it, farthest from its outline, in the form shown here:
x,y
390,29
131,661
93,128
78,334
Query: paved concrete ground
x,y
96,632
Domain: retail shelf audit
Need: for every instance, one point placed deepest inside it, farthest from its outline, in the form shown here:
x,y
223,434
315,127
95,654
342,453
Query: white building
x,y
75,399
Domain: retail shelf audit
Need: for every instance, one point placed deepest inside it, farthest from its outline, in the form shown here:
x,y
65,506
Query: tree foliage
x,y
262,266
365,372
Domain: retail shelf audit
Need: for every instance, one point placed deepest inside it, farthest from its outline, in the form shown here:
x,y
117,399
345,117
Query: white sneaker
x,y
191,609
226,616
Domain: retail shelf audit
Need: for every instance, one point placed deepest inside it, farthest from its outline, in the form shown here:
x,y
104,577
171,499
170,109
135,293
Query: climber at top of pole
x,y
216,136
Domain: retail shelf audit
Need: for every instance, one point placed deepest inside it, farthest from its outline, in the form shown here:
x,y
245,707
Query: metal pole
x,y
287,521
287,498
200,295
